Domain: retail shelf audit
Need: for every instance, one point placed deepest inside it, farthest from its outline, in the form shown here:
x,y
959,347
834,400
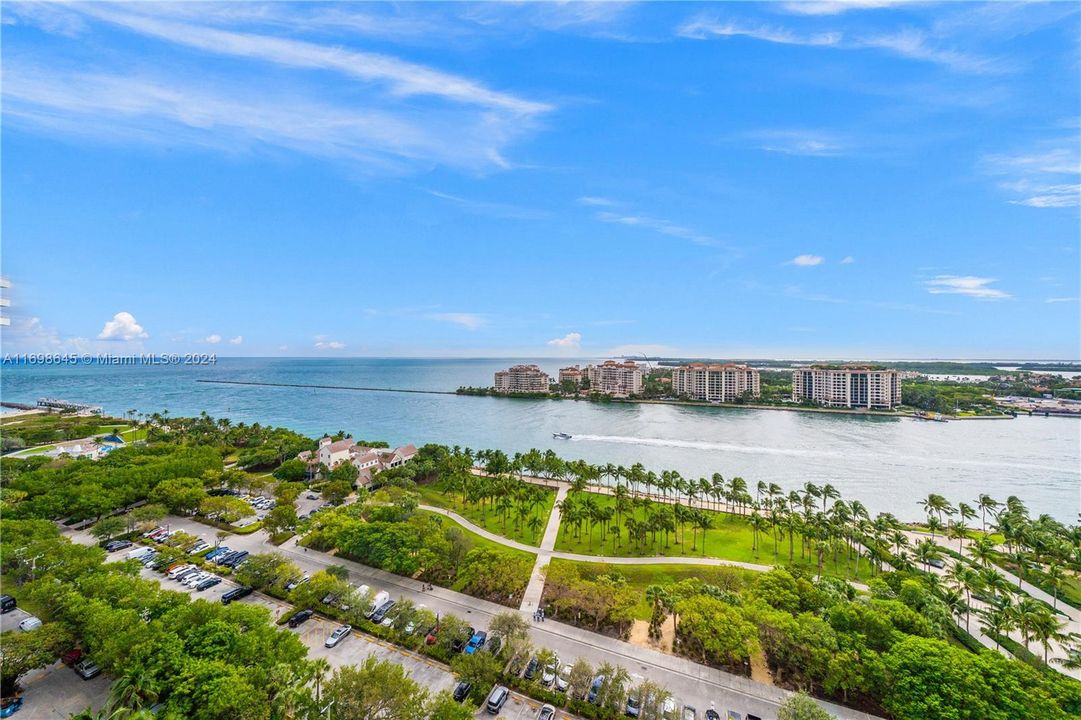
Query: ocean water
x,y
888,463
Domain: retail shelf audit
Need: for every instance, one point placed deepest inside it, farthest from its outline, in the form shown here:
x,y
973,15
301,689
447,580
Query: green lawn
x,y
476,541
642,576
490,519
1069,592
730,538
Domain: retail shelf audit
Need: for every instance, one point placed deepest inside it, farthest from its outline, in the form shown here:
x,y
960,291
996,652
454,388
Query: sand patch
x,y
639,636
759,669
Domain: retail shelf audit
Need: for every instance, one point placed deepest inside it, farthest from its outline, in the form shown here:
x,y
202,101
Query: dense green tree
x,y
375,690
21,652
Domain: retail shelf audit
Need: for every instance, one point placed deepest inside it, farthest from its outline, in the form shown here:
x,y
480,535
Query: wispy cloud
x,y
970,285
238,340
469,321
212,339
324,343
1047,177
847,260
395,116
704,27
799,142
403,78
911,44
658,225
495,209
807,260
570,341
595,201
1056,300
836,7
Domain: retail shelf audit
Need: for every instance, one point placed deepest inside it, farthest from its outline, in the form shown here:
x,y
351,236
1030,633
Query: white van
x,y
139,552
381,598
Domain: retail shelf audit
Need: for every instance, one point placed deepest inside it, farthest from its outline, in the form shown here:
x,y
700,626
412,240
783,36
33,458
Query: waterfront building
x,y
522,378
618,379
715,383
368,461
849,386
573,374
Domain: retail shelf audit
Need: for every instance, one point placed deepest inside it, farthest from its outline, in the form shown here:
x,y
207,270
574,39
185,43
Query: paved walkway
x,y
531,598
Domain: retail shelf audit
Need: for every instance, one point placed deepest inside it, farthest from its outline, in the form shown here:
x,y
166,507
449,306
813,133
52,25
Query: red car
x,y
71,656
430,638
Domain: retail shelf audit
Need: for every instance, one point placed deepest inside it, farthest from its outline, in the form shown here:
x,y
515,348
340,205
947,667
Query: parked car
x,y
594,689
300,618
172,573
312,496
531,668
198,547
381,612
548,672
72,656
563,678
458,644
668,709
87,669
733,715
712,714
476,642
547,712
118,545
432,636
10,706
208,583
497,698
7,604
237,559
936,563
461,691
216,552
690,713
634,707
338,635
296,582
29,623
235,594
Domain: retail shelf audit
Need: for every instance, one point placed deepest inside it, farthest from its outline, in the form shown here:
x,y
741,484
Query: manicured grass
x,y
642,576
476,541
731,538
1069,592
490,519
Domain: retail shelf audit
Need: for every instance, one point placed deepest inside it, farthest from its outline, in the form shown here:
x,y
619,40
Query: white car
x,y
30,623
298,581
548,674
196,579
563,678
338,635
176,571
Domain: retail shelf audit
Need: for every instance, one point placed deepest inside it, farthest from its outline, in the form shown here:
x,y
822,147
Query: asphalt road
x,y
689,682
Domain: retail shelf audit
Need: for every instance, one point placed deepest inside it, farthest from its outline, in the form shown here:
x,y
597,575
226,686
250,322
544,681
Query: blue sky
x,y
866,179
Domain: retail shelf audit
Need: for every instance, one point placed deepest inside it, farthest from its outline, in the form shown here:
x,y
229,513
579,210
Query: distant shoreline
x,y
737,406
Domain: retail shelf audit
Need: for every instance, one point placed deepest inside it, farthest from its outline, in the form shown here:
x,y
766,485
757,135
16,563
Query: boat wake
x,y
700,445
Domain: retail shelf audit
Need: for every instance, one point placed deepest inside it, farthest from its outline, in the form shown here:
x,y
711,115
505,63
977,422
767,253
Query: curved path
x,y
545,551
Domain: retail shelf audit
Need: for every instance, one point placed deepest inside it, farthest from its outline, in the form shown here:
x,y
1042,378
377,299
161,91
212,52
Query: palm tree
x,y
986,504
1055,575
703,521
1047,626
829,493
758,524
319,669
996,621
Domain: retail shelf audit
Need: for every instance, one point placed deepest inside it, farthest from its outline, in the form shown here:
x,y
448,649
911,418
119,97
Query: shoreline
x,y
737,406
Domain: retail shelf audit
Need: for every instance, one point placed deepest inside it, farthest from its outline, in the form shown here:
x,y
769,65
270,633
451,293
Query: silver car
x,y
338,635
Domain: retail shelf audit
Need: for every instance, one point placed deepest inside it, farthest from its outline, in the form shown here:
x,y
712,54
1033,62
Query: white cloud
x,y
394,116
237,340
1046,177
705,27
122,327
835,7
915,45
403,78
595,201
848,260
972,286
470,321
321,343
212,339
799,142
1056,300
807,260
570,341
655,224
494,209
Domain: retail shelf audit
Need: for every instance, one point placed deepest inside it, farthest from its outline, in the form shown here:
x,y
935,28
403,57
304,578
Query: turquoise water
x,y
888,463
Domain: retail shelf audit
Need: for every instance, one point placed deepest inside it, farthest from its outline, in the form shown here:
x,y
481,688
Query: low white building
x,y
368,461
